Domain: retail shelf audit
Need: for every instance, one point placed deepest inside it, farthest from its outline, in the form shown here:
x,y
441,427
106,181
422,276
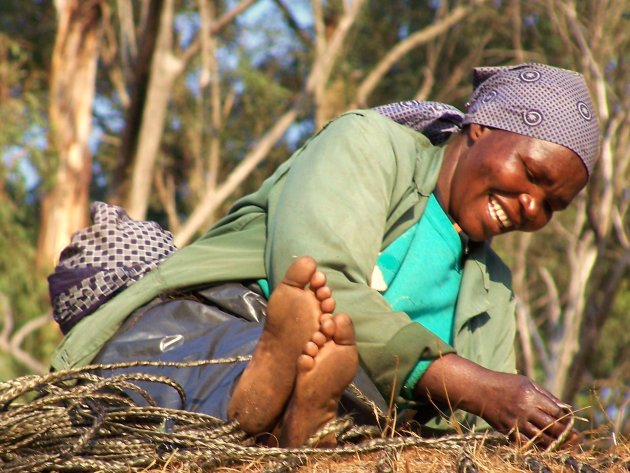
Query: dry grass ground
x,y
475,458
502,459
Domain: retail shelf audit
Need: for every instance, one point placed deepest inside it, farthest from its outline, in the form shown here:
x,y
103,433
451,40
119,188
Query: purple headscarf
x,y
534,100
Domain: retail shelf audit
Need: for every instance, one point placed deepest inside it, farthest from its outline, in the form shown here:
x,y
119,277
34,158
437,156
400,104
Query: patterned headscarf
x,y
103,259
534,100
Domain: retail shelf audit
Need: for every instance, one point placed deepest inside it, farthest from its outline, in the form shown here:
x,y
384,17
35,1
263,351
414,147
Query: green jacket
x,y
342,197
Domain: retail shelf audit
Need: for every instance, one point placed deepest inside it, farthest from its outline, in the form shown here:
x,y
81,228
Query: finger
x,y
562,405
542,390
574,439
518,438
537,436
551,425
549,404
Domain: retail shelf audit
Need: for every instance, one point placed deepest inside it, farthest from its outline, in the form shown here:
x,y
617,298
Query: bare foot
x,y
293,316
324,371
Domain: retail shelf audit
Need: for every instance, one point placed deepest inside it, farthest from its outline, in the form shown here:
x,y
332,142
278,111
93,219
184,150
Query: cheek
x,y
505,176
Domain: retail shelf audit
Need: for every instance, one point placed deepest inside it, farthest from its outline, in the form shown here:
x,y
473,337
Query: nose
x,y
531,208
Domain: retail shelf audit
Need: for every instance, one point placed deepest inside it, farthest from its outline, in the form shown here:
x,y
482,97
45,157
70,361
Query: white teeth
x,y
499,214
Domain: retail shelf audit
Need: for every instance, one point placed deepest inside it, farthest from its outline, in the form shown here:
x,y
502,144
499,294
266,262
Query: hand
x,y
515,405
512,404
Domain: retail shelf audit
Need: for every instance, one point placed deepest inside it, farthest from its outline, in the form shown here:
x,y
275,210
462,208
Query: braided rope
x,y
556,444
83,422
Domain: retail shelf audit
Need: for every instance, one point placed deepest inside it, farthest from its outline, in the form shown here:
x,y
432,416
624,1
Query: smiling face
x,y
502,181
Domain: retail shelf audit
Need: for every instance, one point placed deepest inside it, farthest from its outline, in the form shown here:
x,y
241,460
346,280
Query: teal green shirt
x,y
422,270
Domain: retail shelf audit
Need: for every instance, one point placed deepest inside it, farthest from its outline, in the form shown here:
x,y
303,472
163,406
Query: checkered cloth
x,y
103,259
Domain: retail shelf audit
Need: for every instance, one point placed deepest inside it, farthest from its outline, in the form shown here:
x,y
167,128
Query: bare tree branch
x,y
553,299
523,312
413,41
138,83
127,37
12,343
301,34
216,27
622,233
230,16
72,89
213,199
523,318
216,119
434,51
165,187
328,50
517,20
600,84
165,67
535,337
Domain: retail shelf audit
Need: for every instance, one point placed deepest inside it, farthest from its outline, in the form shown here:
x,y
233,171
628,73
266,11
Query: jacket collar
x,y
473,295
429,162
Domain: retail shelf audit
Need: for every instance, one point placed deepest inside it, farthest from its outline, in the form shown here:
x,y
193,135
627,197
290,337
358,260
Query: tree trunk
x,y
72,83
165,68
139,74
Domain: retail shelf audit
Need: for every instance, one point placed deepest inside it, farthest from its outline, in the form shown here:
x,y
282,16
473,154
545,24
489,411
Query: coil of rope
x,y
76,420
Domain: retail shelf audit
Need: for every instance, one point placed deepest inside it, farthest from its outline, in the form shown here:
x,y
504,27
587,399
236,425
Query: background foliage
x,y
175,108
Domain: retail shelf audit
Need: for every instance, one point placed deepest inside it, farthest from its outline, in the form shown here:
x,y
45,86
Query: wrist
x,y
458,382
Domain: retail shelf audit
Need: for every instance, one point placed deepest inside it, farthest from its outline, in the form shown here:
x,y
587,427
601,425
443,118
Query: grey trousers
x,y
219,322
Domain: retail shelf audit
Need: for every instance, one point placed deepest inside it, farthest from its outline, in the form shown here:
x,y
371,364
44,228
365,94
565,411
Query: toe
x,y
323,293
344,330
301,272
305,363
327,326
318,280
328,305
310,349
324,317
319,339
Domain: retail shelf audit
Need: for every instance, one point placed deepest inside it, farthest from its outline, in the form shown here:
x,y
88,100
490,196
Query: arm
x,y
333,205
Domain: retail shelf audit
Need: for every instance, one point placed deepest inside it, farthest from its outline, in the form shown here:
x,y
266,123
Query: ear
x,y
476,131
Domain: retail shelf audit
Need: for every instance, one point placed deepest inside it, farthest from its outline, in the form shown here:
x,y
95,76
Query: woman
x,y
399,229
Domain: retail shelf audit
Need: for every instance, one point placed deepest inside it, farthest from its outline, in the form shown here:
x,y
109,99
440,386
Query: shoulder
x,y
374,126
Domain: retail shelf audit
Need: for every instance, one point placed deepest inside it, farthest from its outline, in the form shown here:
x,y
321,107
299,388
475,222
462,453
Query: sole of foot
x,y
324,370
295,312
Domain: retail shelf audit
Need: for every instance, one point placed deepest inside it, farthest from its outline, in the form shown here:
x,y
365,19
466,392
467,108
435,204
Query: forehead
x,y
546,152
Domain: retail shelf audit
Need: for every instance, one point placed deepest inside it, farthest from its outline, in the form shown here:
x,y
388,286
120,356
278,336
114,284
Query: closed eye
x,y
530,176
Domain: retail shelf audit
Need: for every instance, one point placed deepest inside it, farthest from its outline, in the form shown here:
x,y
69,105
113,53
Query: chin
x,y
474,233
